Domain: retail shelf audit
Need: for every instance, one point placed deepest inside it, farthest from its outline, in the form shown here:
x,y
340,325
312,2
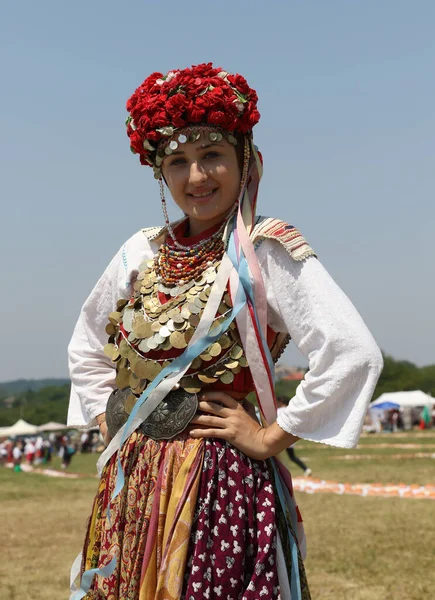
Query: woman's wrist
x,y
275,440
100,418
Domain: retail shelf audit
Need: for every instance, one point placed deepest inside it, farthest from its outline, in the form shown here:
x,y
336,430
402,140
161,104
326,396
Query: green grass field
x,y
358,548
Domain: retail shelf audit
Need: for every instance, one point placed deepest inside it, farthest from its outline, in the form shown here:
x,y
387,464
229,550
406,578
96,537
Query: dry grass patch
x,y
379,464
358,548
43,527
369,548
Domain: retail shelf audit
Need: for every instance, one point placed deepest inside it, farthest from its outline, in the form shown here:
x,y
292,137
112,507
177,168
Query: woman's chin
x,y
205,211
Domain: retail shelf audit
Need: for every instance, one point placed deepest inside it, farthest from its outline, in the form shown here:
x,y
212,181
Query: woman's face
x,y
204,180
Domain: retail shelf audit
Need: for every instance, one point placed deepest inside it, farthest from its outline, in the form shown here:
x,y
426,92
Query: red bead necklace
x,y
180,266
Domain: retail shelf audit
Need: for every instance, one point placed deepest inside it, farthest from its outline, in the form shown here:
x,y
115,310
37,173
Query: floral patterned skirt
x,y
195,519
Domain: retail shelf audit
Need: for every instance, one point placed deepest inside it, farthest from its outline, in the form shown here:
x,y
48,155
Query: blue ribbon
x,y
241,265
286,503
88,576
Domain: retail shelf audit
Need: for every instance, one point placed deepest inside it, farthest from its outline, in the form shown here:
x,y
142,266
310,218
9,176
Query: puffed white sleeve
x,y
92,373
345,362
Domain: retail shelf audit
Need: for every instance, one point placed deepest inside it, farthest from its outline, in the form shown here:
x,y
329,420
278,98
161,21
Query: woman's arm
x,y
344,361
344,364
223,417
92,373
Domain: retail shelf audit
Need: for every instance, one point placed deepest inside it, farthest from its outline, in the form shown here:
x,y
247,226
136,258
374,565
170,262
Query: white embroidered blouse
x,y
304,301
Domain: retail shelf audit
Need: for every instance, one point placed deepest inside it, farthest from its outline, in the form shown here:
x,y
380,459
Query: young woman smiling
x,y
204,180
198,311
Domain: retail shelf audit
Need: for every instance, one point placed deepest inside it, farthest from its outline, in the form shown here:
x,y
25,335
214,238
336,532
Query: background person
x,y
282,403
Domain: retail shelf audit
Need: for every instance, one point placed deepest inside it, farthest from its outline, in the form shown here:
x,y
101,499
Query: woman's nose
x,y
197,175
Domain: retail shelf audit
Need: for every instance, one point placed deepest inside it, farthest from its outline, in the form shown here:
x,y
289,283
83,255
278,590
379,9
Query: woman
x,y
191,502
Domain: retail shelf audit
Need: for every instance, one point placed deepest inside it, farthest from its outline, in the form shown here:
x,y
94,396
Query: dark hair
x,y
282,399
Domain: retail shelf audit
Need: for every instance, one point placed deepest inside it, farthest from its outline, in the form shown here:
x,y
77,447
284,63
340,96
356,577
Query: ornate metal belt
x,y
167,420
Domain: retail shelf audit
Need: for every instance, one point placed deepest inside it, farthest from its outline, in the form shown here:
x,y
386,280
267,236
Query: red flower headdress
x,y
201,95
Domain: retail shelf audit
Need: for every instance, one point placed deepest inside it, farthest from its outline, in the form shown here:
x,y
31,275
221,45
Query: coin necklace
x,y
176,266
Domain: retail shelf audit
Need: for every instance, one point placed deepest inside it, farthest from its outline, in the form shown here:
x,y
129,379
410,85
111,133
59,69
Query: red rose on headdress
x,y
195,114
240,83
211,99
217,117
176,105
153,136
136,141
178,122
250,119
203,70
160,119
151,81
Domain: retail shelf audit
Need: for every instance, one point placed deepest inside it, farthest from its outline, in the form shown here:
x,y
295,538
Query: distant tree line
x,y
397,376
20,386
36,406
402,375
50,403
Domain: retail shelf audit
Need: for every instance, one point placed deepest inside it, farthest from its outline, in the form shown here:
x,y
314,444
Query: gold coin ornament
x,y
140,368
215,349
110,329
207,379
236,352
109,350
129,403
178,340
114,317
227,377
146,333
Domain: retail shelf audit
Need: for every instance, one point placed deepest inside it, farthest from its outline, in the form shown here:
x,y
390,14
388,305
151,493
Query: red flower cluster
x,y
200,94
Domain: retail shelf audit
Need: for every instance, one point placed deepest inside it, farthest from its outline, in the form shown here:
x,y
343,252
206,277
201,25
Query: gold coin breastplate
x,y
155,325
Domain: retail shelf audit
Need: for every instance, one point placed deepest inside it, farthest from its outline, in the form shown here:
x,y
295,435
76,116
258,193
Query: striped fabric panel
x,y
287,235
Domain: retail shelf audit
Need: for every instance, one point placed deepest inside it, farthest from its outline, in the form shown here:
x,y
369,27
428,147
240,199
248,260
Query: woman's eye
x,y
212,155
177,161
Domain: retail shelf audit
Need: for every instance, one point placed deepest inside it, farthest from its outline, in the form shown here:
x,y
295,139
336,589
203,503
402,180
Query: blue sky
x,y
347,132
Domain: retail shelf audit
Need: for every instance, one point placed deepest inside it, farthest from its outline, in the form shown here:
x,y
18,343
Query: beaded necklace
x,y
176,266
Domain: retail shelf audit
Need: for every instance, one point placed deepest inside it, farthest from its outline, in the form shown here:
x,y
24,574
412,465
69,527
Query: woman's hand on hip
x,y
225,418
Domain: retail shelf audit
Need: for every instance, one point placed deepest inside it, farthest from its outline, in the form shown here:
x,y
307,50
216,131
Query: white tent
x,y
52,426
21,427
415,398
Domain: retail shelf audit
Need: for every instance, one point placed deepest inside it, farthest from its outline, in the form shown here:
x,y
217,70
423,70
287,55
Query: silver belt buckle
x,y
167,420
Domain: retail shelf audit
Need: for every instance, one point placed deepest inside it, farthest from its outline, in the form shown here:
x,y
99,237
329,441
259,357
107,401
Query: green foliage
x,y
37,407
397,376
286,388
19,386
403,376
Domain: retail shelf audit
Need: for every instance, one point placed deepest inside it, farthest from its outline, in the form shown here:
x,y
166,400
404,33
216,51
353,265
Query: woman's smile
x,y
203,196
